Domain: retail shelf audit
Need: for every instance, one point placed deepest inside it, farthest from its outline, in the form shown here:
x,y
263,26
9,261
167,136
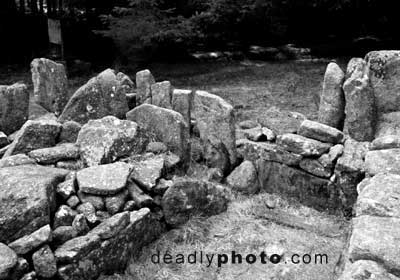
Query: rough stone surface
x,y
34,135
3,139
329,160
156,148
64,216
44,262
80,224
105,140
54,154
96,200
386,142
214,117
315,167
216,155
115,203
69,132
332,103
281,121
188,197
248,124
14,107
182,101
50,84
67,188
383,161
63,234
147,172
112,226
301,145
19,159
167,126
321,132
388,124
102,96
376,239
355,64
103,179
27,195
360,105
366,270
139,197
161,94
244,178
32,241
144,81
8,260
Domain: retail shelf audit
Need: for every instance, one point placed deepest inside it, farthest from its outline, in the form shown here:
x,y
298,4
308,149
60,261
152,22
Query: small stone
x,y
156,148
162,186
80,224
20,269
102,216
63,234
3,140
73,165
216,155
86,209
130,206
96,200
64,216
115,203
269,134
329,160
215,175
248,124
139,197
69,132
112,226
255,134
29,276
301,145
66,189
32,241
321,132
315,167
8,260
244,178
73,201
44,262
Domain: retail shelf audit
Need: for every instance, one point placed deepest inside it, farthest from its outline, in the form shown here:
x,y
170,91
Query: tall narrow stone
x,y
144,81
161,94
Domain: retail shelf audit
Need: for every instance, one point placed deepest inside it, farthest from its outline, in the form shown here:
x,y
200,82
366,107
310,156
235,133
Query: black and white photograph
x,y
199,140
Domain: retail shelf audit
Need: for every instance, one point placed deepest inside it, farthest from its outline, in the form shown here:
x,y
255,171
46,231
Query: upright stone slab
x,y
14,107
50,84
360,105
182,101
384,74
27,196
355,64
101,96
332,103
144,81
383,161
161,94
215,118
166,125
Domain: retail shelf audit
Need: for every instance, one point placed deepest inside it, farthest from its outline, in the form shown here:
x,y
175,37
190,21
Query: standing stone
x,y
44,262
182,101
215,118
161,94
101,96
166,125
105,140
144,81
384,74
332,103
14,107
50,84
360,105
244,178
8,260
34,135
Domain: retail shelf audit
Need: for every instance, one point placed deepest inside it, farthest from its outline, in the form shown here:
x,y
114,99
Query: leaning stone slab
x,y
51,155
32,241
8,260
166,125
301,145
181,102
383,161
376,239
332,103
14,107
367,270
104,179
112,226
15,160
386,142
50,84
76,248
102,96
105,140
34,135
321,132
315,167
144,81
147,172
380,196
161,94
27,196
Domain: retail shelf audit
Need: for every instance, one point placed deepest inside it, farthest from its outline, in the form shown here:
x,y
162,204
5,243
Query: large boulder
x,y
34,135
8,260
50,84
360,105
166,125
382,161
107,139
187,197
144,81
214,117
244,178
332,103
101,96
14,107
27,197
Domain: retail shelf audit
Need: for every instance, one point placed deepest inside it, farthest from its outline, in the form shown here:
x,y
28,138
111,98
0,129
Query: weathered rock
x,y
54,154
332,103
69,132
105,140
64,233
27,197
384,76
131,99
130,205
76,248
32,241
216,154
255,134
248,124
144,81
64,216
386,142
388,124
50,84
19,159
376,239
315,167
73,165
182,101
3,140
66,188
321,132
156,148
96,200
168,127
310,190
281,121
103,179
8,260
360,105
383,161
188,197
366,270
115,203
14,107
214,117
146,173
163,186
86,209
244,178
329,160
20,269
269,134
215,175
355,64
269,152
301,145
34,135
80,224
102,96
139,197
112,226
161,94
73,201
29,276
